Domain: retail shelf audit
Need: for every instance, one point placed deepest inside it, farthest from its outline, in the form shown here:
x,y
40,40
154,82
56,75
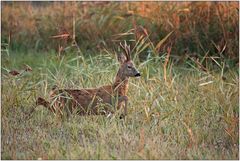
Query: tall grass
x,y
193,116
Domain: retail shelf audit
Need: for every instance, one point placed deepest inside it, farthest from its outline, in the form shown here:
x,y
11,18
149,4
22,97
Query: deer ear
x,y
126,49
121,58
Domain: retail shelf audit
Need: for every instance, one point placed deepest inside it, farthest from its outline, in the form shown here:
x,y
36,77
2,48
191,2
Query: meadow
x,y
194,116
185,105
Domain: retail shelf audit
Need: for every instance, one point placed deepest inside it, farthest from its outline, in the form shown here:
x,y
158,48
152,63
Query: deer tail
x,y
40,101
43,102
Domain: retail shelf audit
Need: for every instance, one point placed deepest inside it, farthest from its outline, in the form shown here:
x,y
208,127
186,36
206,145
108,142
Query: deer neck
x,y
120,84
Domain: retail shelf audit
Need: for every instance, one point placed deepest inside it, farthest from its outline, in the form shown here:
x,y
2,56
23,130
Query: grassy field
x,y
193,115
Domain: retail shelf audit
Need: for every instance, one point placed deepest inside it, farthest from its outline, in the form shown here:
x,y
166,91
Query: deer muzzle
x,y
137,75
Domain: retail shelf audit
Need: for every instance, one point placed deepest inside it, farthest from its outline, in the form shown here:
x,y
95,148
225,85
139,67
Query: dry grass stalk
x,y
141,141
190,133
166,63
62,37
200,66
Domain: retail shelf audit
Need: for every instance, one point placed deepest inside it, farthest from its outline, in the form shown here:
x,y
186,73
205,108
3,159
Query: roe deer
x,y
89,101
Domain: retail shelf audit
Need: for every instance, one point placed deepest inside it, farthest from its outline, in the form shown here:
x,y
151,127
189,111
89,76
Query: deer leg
x,y
125,100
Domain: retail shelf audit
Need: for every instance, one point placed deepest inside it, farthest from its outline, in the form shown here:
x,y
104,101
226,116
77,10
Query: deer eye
x,y
129,67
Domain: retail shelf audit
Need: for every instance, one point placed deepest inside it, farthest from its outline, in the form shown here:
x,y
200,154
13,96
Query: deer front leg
x,y
125,100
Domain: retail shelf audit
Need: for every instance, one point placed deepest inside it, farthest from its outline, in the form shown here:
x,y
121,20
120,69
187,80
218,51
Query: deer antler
x,y
126,49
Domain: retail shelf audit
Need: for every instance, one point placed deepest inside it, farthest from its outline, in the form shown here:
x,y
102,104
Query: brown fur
x,y
95,100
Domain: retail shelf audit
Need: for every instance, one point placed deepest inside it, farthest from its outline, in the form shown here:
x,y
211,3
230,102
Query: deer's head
x,y
127,67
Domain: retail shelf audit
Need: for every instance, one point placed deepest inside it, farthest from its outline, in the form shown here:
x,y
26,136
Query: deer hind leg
x,y
125,100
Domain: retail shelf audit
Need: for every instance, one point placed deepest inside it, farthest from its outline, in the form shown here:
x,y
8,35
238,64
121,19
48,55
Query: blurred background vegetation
x,y
197,29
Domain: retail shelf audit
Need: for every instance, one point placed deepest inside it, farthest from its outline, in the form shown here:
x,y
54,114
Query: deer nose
x,y
137,75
